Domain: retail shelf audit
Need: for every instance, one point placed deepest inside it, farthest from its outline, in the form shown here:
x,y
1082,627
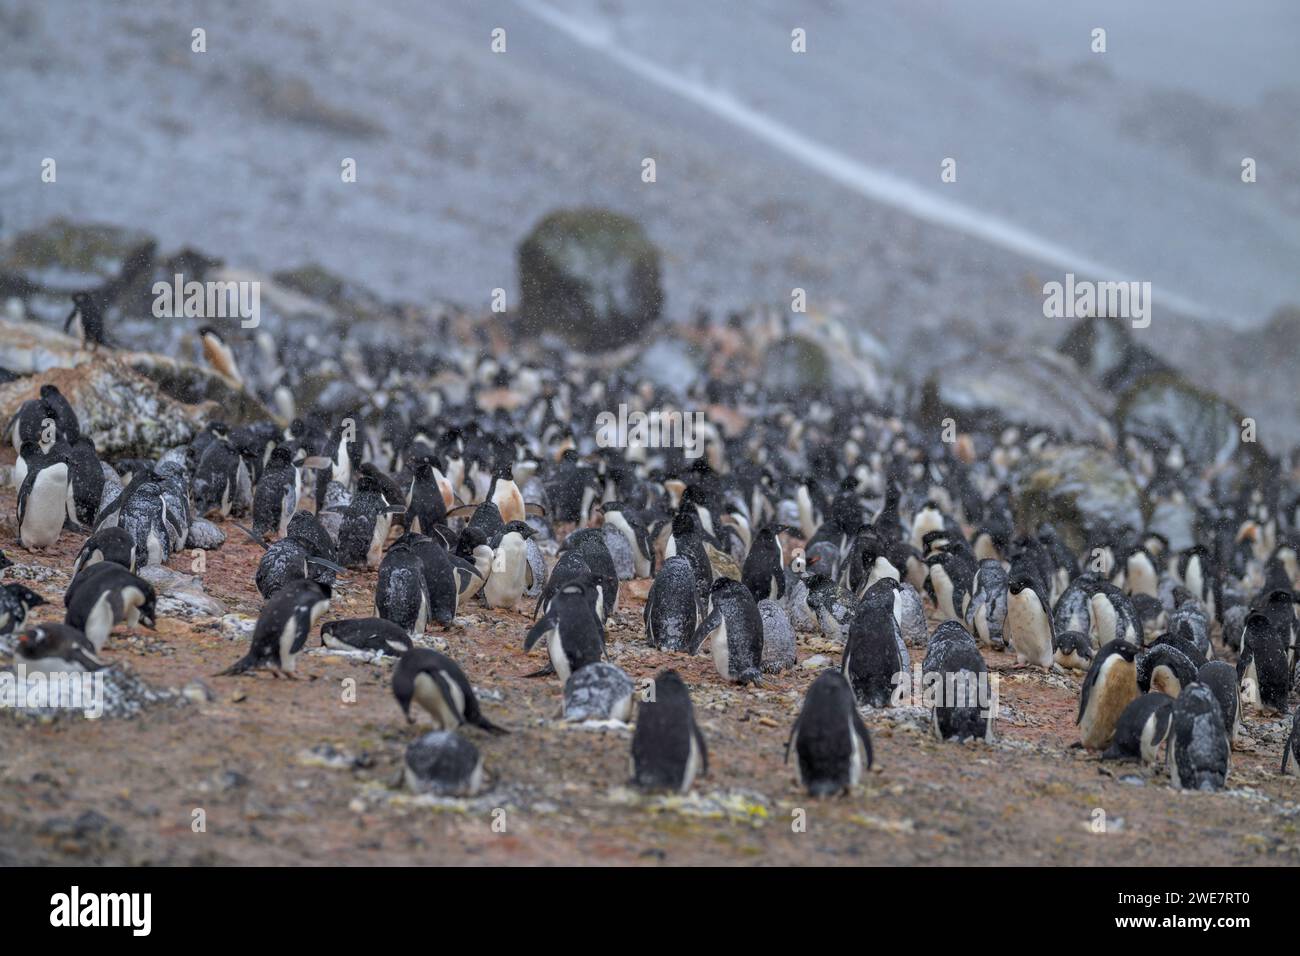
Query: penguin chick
x,y
599,691
831,743
282,629
1165,669
671,607
1073,650
436,683
444,764
1141,729
1221,678
668,749
43,500
960,675
1198,744
1108,687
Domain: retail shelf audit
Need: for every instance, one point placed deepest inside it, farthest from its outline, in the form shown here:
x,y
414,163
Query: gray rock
x,y
778,636
590,275
204,534
1082,490
444,764
599,691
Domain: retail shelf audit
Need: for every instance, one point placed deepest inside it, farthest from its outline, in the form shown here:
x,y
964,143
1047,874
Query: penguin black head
x,y
524,530
683,523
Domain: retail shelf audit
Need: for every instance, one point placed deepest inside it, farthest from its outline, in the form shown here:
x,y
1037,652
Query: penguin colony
x,y
828,517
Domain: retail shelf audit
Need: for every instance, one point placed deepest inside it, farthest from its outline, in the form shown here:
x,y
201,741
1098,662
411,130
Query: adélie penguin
x,y
1198,743
668,749
43,500
872,660
1029,628
105,595
436,684
282,629
1142,727
1221,678
1108,687
734,629
15,601
366,634
401,594
575,636
56,649
1164,668
831,744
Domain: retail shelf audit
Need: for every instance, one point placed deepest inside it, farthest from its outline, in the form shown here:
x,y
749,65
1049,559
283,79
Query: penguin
x,y
221,477
872,661
30,426
630,526
473,554
143,515
86,320
734,629
366,634
571,565
1113,616
1221,678
1165,669
833,605
686,541
105,595
437,684
43,501
504,493
671,607
959,675
56,649
1108,687
402,595
1197,753
1141,575
598,691
987,613
668,749
446,579
1073,650
778,637
276,495
949,584
764,569
830,741
574,633
505,585
1262,668
1029,627
444,764
1189,650
15,601
1142,727
1291,749
220,355
67,425
590,543
282,629
86,476
1073,610
1196,571
425,506
366,522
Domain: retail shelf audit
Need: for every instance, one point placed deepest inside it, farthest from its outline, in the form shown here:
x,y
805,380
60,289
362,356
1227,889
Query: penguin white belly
x,y
721,653
287,657
508,500
559,660
1114,689
1028,628
375,553
692,764
1148,745
942,585
20,472
1103,620
807,526
99,622
859,757
446,714
882,569
506,583
46,506
982,623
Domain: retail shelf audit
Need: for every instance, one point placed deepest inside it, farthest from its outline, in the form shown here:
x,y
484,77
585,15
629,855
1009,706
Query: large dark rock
x,y
1080,489
590,275
1107,352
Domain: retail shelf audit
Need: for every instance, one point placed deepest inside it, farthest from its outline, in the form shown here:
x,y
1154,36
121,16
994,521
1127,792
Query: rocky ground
x,y
291,772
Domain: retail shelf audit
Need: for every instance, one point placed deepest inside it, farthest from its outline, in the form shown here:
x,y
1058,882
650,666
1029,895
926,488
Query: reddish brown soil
x,y
1029,799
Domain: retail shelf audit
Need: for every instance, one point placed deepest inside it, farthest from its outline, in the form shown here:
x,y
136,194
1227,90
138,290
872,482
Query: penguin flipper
x,y
255,538
241,666
462,511
707,627
538,631
546,670
534,509
794,732
704,750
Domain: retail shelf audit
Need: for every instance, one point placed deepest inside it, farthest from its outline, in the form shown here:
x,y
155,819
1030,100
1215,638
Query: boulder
x,y
590,275
1080,489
